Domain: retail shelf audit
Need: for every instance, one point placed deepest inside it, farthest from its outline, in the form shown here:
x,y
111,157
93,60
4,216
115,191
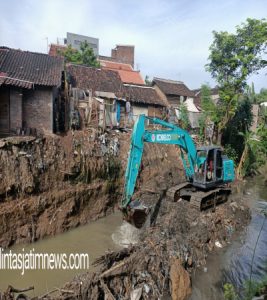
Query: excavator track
x,y
198,200
176,192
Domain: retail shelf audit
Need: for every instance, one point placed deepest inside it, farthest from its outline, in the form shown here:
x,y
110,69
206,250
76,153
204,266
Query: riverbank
x,y
69,181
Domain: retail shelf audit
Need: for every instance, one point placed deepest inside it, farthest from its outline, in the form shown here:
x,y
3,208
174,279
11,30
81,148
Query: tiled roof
x,y
94,79
126,72
133,77
171,87
143,95
26,69
115,65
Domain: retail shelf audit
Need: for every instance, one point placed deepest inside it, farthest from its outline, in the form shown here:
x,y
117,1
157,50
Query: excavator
x,y
208,171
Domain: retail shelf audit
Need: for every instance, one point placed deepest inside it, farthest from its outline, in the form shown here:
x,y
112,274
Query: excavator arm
x,y
172,135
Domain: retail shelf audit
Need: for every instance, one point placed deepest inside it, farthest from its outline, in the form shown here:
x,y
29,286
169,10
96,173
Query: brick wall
x,y
123,54
38,109
15,109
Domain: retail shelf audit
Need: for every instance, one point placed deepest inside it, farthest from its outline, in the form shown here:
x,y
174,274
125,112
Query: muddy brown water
x,y
94,239
232,264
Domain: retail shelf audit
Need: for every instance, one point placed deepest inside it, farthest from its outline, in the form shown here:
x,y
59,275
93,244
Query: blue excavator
x,y
208,171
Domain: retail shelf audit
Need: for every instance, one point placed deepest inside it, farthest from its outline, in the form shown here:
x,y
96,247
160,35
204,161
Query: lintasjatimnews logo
x,y
32,260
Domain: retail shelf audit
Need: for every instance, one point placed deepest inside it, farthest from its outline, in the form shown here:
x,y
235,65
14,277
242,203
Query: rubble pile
x,y
161,263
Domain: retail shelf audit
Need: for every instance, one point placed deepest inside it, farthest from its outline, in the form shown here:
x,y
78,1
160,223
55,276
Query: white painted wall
x,y
138,110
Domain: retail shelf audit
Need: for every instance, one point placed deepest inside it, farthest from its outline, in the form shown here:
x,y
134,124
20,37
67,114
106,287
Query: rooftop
x,y
126,72
25,69
94,79
172,87
142,95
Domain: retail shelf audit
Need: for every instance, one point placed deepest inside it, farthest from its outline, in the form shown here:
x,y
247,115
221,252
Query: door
x,y
4,111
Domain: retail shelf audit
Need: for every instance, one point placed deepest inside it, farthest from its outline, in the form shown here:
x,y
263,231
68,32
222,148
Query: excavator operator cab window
x,y
200,171
210,166
219,164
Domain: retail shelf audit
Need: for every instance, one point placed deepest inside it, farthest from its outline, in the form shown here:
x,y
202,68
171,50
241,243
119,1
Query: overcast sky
x,y
171,38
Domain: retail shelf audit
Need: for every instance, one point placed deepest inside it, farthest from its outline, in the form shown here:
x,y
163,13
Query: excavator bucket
x,y
136,214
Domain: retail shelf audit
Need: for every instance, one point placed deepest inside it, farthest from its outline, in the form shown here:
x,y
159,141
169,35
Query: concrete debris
x,y
136,294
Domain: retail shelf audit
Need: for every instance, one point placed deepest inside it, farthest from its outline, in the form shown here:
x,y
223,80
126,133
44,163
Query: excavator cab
x,y
214,170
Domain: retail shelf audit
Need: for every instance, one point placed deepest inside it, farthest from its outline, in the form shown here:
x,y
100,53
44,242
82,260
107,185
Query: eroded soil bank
x,y
51,184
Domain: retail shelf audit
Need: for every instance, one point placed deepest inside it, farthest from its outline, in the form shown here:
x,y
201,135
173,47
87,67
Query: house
x,y
100,95
176,93
29,91
144,100
126,71
93,93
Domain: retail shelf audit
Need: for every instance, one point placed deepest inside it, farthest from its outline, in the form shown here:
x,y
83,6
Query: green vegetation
x,y
209,110
248,149
262,96
184,119
233,58
85,56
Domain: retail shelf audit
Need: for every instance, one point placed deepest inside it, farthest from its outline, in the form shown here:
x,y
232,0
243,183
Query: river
x,y
232,264
93,239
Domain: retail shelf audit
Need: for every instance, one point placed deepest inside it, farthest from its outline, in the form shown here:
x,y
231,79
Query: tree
x,y
184,116
251,94
233,57
85,56
262,96
241,122
208,107
247,137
